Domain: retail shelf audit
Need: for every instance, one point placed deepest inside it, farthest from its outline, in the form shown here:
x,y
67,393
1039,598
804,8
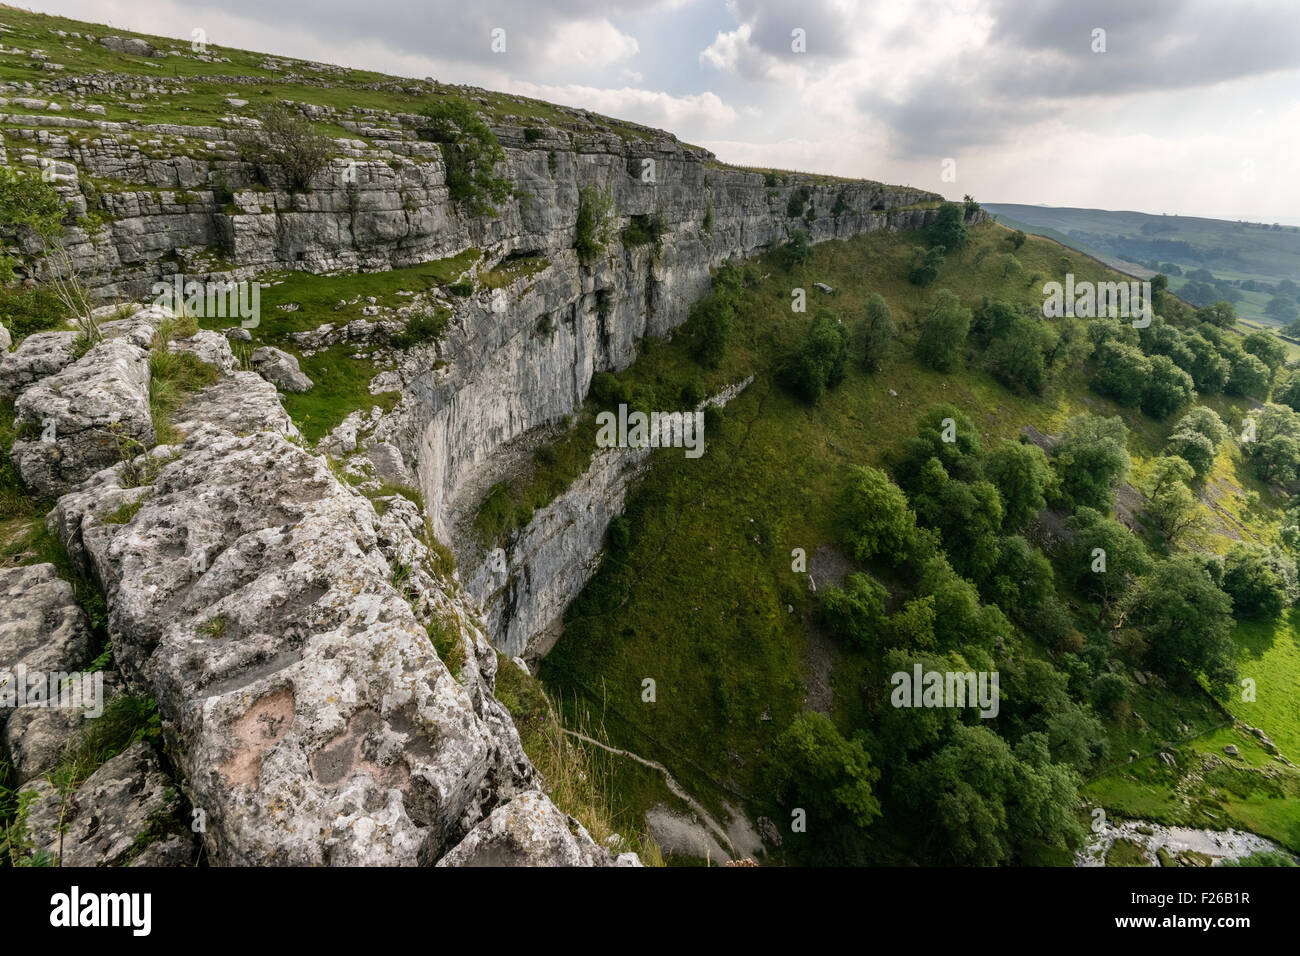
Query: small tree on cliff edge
x,y
470,151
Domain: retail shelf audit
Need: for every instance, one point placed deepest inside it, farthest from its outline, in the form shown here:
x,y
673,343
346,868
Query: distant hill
x,y
1248,263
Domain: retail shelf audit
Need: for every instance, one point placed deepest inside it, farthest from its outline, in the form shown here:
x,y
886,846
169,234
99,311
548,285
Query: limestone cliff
x,y
281,621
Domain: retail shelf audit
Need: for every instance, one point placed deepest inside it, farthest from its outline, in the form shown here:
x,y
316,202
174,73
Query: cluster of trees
x,y
1020,349
947,233
949,580
1161,368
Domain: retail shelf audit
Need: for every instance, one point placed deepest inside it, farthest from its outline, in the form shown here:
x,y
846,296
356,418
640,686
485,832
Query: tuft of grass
x,y
124,513
424,327
214,627
173,376
580,778
124,721
447,642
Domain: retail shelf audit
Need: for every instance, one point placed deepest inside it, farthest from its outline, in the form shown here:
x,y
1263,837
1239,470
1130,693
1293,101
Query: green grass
x,y
1127,853
173,377
342,386
124,513
1268,653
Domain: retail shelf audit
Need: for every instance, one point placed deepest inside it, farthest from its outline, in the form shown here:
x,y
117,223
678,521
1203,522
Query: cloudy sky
x,y
1192,107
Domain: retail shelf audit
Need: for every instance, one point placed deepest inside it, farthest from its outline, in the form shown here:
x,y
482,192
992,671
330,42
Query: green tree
x,y
1167,389
1091,460
814,768
1197,437
879,331
855,613
1019,358
967,516
1249,378
1171,507
1022,476
1252,579
875,518
1275,450
949,227
1186,620
943,333
1266,347
818,362
1122,372
1105,558
925,266
1219,314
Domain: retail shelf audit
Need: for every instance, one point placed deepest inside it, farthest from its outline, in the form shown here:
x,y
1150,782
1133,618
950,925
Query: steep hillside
x,y
702,593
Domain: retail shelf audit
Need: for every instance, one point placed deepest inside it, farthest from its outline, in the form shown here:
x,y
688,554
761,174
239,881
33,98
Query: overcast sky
x,y
1192,108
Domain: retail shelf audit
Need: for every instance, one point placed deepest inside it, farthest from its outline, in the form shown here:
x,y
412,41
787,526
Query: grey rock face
x,y
529,831
42,628
280,368
113,815
556,553
87,412
38,355
312,720
36,735
239,403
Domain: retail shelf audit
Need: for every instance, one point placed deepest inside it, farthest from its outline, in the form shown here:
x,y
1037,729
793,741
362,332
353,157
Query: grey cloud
x,y
458,33
1039,62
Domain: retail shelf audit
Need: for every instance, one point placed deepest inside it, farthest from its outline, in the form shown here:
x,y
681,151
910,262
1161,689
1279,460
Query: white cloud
x,y
649,107
589,43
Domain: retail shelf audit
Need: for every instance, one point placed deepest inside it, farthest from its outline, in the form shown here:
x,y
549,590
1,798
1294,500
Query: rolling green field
x,y
1264,252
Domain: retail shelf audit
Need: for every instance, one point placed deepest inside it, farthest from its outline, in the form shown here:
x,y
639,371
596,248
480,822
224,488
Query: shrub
x,y
470,151
287,141
593,227
943,332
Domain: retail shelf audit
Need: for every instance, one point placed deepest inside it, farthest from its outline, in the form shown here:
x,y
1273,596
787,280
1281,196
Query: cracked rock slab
x,y
80,417
42,628
117,813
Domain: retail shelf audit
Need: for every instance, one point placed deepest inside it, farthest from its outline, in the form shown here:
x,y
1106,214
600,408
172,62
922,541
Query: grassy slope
x,y
706,582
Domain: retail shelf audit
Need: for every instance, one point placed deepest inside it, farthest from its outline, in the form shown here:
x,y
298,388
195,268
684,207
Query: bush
x,y
818,362
287,141
645,230
592,228
423,326
470,151
943,332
